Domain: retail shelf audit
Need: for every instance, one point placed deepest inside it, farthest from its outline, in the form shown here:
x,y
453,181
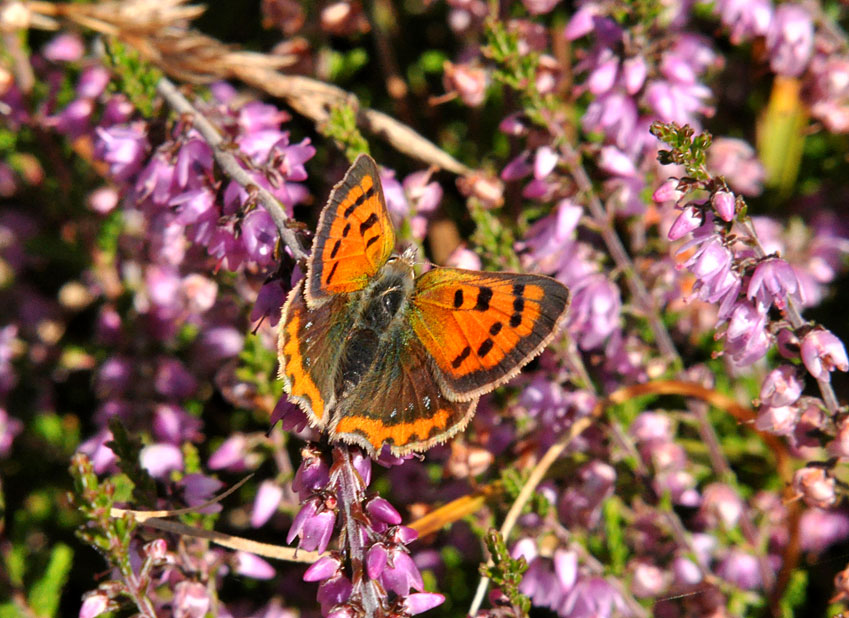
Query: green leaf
x,y
45,594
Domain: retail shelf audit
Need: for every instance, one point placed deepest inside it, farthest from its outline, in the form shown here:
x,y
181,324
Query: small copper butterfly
x,y
375,354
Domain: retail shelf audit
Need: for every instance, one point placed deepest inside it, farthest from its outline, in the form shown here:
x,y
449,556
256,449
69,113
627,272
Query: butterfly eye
x,y
392,301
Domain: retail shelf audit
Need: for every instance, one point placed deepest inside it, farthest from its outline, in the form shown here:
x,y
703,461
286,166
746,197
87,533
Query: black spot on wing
x,y
365,225
345,230
371,241
495,328
336,246
332,272
458,298
515,320
358,202
485,347
461,357
484,296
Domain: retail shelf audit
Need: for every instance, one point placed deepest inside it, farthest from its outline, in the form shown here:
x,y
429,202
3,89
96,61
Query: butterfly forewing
x,y
354,236
309,351
399,403
481,328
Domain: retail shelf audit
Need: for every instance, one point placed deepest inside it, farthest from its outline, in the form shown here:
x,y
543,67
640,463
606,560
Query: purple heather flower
x,y
94,605
314,524
323,568
614,114
779,420
251,565
745,18
231,454
422,192
595,311
749,345
565,568
123,148
690,219
790,40
255,115
737,162
647,580
615,162
822,353
581,504
161,459
313,473
420,602
199,488
774,282
396,199
73,121
64,48
269,302
102,457
468,81
380,510
517,168
267,499
820,529
333,591
582,22
839,447
667,192
103,200
173,380
815,487
118,111
93,81
191,600
724,204
173,424
721,504
113,377
603,76
10,427
545,160
741,569
400,573
686,572
156,550
218,343
376,560
652,428
593,597
634,71
540,7
260,236
462,257
781,387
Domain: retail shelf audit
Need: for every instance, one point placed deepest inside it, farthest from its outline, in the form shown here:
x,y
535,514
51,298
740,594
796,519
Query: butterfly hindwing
x,y
354,237
399,402
481,328
309,351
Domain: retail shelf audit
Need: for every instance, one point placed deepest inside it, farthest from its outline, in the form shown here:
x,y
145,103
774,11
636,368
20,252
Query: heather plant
x,y
678,450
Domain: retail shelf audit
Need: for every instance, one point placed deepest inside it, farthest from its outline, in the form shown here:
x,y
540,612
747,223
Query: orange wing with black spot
x,y
354,237
481,328
309,351
399,403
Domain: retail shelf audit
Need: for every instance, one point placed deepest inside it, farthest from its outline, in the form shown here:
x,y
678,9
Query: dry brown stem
x,y
159,31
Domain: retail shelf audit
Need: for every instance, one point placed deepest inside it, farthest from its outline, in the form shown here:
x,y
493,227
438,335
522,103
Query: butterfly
x,y
376,355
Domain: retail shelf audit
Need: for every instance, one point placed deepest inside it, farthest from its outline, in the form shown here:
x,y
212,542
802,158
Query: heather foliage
x,y
681,448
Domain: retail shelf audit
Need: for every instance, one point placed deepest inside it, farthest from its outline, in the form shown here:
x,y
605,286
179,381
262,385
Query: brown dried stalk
x,y
158,30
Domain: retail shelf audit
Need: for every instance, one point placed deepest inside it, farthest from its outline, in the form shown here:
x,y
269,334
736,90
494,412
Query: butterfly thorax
x,y
382,306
